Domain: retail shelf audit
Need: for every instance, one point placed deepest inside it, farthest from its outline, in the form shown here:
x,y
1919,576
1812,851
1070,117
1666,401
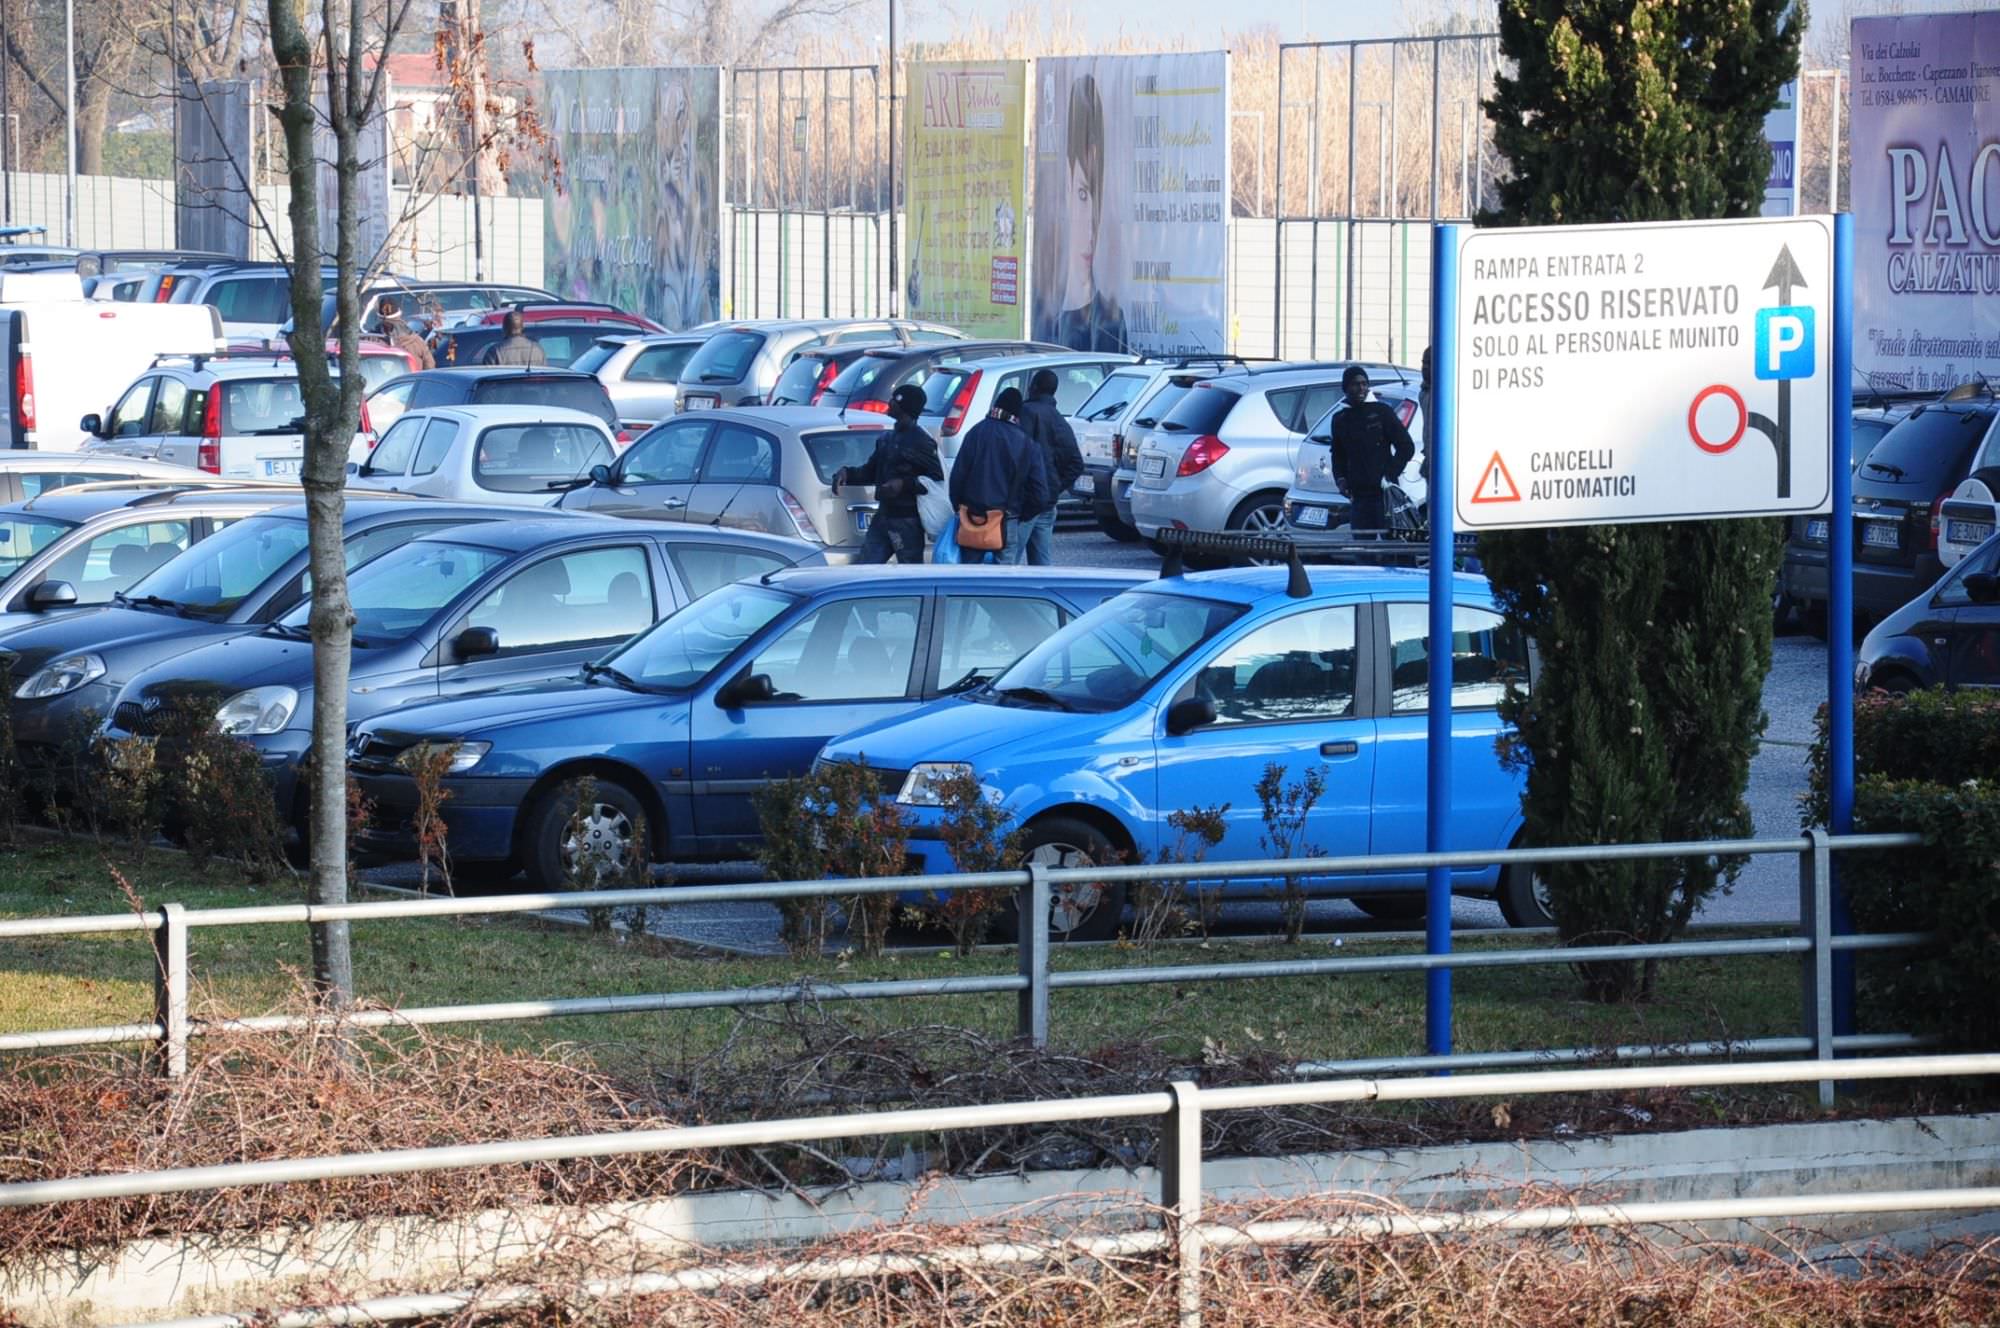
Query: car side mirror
x,y
93,425
52,595
476,643
1188,714
1982,587
746,689
600,474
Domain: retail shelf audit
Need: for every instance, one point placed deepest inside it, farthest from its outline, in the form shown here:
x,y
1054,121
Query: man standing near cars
x,y
516,347
400,336
1042,420
1001,469
905,458
1370,445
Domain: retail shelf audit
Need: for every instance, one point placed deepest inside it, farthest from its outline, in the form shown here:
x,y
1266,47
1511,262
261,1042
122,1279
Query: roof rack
x,y
1247,547
162,487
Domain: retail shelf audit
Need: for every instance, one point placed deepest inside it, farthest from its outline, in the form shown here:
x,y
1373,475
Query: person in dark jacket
x,y
904,459
1000,468
401,337
1424,409
1370,445
516,348
1043,421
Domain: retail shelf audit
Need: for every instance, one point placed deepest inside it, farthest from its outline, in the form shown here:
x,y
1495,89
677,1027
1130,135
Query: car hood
x,y
128,639
483,714
952,729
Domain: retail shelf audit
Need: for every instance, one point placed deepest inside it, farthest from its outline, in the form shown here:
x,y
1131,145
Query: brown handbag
x,y
985,534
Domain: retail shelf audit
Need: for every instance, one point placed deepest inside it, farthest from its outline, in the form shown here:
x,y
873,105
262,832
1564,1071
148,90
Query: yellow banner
x,y
964,155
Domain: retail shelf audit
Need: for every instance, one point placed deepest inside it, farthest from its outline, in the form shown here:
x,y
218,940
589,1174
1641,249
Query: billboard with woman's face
x,y
636,221
1132,202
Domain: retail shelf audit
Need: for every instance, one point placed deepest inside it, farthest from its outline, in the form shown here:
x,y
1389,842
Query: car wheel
x,y
1895,684
1116,529
560,842
1259,514
1524,897
1391,908
1077,912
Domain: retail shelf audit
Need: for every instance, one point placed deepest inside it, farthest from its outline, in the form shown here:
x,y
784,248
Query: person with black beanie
x,y
904,458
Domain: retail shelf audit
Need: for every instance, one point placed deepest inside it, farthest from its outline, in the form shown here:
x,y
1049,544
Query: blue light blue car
x,y
1181,692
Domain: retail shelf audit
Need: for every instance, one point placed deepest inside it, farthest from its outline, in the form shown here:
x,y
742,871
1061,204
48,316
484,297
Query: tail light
x,y
1117,450
625,437
166,291
954,419
799,517
367,427
826,377
1406,412
1202,453
873,407
1937,520
208,456
24,392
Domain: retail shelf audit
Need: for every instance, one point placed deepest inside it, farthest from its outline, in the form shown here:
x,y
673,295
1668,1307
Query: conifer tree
x,y
1654,639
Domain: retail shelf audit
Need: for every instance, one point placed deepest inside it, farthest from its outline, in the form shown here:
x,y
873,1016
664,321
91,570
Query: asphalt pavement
x,y
1766,892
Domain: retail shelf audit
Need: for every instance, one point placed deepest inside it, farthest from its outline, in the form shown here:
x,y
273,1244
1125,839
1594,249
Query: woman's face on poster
x,y
1080,230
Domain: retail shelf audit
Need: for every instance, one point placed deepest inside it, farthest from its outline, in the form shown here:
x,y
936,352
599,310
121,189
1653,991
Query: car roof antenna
x,y
1297,584
1175,561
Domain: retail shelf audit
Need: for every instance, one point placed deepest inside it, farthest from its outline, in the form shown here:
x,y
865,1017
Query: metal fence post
x,y
1180,1192
170,989
1816,969
1031,957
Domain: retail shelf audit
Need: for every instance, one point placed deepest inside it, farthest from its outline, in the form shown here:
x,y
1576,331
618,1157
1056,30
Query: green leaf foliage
x,y
1654,639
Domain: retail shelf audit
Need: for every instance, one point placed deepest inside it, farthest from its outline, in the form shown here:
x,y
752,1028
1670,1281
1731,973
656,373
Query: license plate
x,y
1818,530
283,468
1309,516
703,403
1881,535
1967,532
1152,467
1084,484
861,519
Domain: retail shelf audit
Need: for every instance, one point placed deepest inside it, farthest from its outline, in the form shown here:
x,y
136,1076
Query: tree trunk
x,y
93,113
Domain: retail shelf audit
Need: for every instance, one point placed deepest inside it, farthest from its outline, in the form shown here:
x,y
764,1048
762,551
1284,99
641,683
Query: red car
x,y
542,311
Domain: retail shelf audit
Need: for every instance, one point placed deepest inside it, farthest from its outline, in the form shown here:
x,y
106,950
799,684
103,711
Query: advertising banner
x,y
1132,202
964,153
374,215
634,211
1924,116
214,154
1781,132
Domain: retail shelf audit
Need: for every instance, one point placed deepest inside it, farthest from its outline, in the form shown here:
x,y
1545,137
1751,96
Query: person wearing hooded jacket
x,y
1370,445
904,459
1042,420
999,468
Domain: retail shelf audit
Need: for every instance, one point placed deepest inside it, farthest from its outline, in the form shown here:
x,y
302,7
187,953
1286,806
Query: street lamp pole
x,y
895,132
69,79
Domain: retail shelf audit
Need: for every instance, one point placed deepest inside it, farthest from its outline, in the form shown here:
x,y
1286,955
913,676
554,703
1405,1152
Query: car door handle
x,y
1342,747
673,504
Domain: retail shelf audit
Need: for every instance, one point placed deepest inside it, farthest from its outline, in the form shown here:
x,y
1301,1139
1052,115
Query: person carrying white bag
x,y
905,472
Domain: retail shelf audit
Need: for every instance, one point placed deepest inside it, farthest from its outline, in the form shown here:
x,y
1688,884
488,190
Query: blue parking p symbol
x,y
1785,342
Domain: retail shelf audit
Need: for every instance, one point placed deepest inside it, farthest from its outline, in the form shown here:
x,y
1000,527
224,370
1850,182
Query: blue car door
x,y
1288,691
835,664
1487,655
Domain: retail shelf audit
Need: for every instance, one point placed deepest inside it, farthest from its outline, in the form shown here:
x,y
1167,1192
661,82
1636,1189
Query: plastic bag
x,y
934,507
946,549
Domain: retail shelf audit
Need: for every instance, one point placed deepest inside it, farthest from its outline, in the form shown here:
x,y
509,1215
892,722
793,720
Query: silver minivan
x,y
641,372
739,364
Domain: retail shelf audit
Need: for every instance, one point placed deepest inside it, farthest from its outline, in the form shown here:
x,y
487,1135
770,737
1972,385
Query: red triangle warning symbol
x,y
1496,485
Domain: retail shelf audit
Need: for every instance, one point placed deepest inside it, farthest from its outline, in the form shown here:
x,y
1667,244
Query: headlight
x,y
920,789
61,676
468,755
464,755
1861,671
258,711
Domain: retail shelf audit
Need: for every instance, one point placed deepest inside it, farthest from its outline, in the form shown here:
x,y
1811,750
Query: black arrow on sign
x,y
1785,274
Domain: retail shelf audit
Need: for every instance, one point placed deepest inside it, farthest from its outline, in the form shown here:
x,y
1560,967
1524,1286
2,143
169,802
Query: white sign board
x,y
1781,134
1643,372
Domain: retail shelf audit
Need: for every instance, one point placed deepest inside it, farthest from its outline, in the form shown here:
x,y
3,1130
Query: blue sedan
x,y
681,726
1179,694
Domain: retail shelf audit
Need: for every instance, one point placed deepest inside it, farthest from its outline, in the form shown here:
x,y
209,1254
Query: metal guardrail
x,y
1034,981
1180,1107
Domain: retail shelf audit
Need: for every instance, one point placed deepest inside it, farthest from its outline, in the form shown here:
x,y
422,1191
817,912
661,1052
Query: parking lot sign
x,y
1785,343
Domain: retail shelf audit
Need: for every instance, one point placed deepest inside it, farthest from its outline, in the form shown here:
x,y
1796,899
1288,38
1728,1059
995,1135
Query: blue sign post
x,y
1840,606
1439,437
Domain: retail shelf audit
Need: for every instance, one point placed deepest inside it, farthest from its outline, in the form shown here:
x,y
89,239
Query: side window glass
x,y
849,650
667,455
576,599
1298,668
116,560
1289,406
741,456
432,392
128,417
982,634
1488,654
1983,559
1075,384
436,442
1316,402
392,454
706,567
169,407
660,364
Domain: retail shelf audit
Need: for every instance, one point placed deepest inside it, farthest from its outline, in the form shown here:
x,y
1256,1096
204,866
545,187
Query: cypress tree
x,y
1654,639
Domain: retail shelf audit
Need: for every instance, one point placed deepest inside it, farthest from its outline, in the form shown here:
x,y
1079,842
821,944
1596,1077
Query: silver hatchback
x,y
1224,456
739,363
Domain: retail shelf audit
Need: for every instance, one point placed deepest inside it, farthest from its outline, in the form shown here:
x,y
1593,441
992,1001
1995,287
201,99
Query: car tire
x,y
1259,514
545,852
1391,908
1524,897
1076,913
1116,529
1896,683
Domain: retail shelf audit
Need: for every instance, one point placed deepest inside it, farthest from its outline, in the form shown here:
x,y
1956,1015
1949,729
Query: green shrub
x,y
835,822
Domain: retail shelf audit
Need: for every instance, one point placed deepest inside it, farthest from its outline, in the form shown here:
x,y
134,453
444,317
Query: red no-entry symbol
x,y
1742,418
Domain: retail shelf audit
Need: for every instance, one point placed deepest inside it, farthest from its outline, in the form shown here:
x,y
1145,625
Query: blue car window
x,y
983,634
1982,559
848,650
1107,659
686,646
706,568
1488,654
399,592
1297,668
213,577
573,599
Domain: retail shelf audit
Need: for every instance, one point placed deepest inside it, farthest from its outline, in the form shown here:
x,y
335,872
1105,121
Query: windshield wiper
x,y
972,681
569,486
718,378
289,631
623,679
1896,471
152,602
1036,695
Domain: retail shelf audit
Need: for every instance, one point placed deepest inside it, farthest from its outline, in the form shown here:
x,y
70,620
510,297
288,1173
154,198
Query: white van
x,y
61,360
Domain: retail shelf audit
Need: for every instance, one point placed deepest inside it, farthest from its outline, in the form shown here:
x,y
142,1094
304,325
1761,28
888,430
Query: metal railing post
x,y
1031,957
170,989
1180,1193
1816,968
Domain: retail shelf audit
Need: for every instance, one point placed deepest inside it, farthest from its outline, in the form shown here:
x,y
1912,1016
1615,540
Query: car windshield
x,y
831,449
1932,449
798,382
1106,659
262,406
210,579
857,377
532,458
22,537
596,357
684,648
1202,410
379,369
399,592
584,394
1111,398
723,358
